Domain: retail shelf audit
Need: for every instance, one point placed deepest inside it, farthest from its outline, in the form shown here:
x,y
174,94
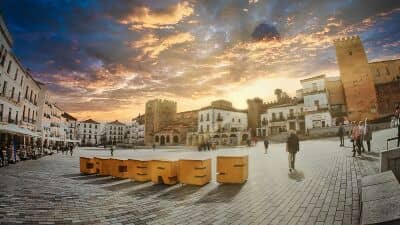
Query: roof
x,y
224,108
313,78
116,122
381,61
68,116
90,121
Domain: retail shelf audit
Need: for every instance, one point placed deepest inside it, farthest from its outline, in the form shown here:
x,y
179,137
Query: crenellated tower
x,y
358,83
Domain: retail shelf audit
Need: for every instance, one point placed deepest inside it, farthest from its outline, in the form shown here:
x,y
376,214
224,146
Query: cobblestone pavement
x,y
324,190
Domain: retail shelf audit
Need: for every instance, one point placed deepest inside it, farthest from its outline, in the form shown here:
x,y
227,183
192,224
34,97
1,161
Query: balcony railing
x,y
309,91
278,119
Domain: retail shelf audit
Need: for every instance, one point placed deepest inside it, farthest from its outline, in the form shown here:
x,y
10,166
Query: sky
x,y
105,59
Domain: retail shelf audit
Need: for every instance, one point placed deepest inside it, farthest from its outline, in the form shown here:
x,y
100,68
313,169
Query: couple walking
x,y
359,133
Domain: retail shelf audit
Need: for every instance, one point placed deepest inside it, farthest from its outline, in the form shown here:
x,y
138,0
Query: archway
x,y
157,139
168,139
162,140
245,137
176,139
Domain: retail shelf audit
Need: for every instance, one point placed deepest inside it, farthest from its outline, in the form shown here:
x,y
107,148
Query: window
x,y
12,92
273,116
16,117
9,66
1,112
9,115
233,119
316,102
30,98
239,120
1,50
208,128
16,74
19,96
3,59
350,53
29,114
208,117
26,92
281,115
22,80
201,128
4,88
23,114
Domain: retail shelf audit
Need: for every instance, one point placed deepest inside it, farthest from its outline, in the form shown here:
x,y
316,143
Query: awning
x,y
13,128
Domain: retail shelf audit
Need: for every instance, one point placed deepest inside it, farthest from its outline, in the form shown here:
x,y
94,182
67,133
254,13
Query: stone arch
x,y
245,137
168,140
162,140
176,139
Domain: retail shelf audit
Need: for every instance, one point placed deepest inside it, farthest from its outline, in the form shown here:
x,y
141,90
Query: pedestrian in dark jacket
x,y
341,134
266,144
397,115
292,147
367,134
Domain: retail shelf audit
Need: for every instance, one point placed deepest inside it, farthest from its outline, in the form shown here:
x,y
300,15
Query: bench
x,y
194,171
232,169
380,199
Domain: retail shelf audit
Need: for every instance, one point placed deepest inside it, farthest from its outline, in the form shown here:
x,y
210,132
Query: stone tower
x,y
255,108
159,113
358,83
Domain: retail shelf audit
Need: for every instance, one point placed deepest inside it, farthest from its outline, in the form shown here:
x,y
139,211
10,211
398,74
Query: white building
x,y
316,102
281,118
71,128
90,132
220,123
135,131
17,128
115,132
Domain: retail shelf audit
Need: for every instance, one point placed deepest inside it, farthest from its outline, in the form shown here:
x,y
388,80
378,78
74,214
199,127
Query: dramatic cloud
x,y
105,59
265,32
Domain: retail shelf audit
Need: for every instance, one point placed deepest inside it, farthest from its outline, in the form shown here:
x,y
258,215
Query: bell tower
x,y
357,80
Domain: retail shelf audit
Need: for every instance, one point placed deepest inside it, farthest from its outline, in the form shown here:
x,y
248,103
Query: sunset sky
x,y
105,59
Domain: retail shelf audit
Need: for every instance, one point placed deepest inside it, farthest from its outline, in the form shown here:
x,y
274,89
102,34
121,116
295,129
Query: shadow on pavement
x,y
181,193
121,186
86,177
104,180
297,175
376,154
367,158
148,190
72,175
223,193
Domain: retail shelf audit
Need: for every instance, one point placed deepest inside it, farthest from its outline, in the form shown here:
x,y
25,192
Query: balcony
x,y
311,91
280,119
291,117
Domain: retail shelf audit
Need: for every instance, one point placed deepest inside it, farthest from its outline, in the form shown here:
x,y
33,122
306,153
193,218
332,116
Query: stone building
x,y
158,115
220,123
71,128
176,132
386,76
379,79
356,78
336,99
255,107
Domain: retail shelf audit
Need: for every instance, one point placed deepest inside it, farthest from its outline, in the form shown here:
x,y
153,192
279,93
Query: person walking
x,y
266,144
112,150
368,134
397,118
362,130
292,147
341,134
353,136
154,147
71,149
